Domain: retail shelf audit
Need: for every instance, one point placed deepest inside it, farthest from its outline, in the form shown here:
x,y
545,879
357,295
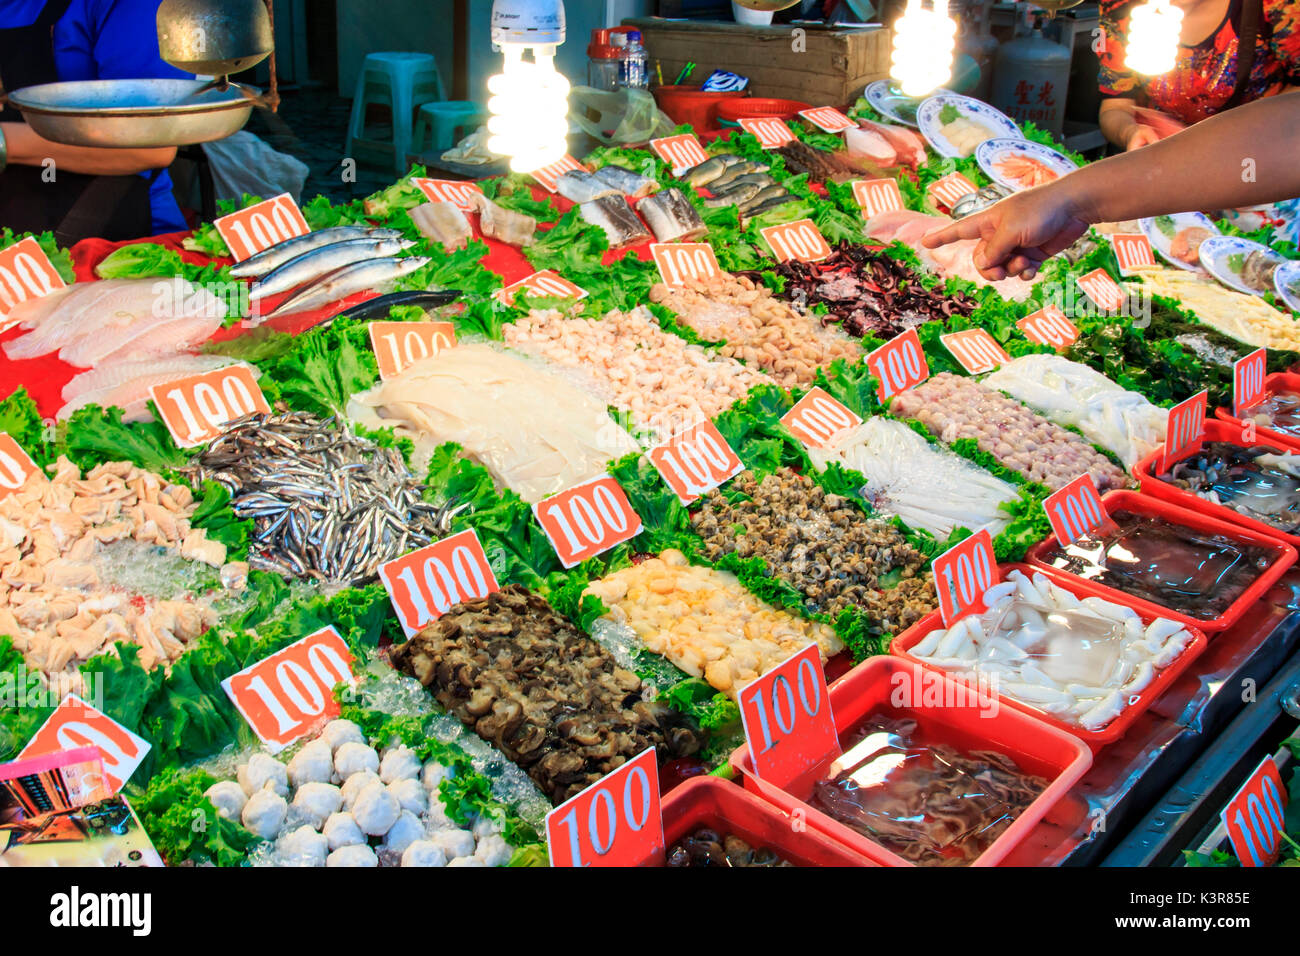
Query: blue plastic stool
x,y
403,82
440,126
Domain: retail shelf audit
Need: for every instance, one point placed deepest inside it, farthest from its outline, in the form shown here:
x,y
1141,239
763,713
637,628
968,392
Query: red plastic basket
x,y
729,809
1197,521
758,107
1274,384
1095,739
977,723
1145,472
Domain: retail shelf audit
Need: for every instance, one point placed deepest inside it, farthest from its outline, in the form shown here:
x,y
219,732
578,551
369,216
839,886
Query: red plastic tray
x,y
978,723
1273,384
1095,739
1145,472
729,809
1197,521
758,107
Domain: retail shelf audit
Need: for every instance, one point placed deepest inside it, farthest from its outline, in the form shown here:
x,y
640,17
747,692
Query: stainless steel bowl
x,y
133,114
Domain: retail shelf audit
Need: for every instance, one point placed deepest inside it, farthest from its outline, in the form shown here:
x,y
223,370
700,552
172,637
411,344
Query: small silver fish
x,y
706,172
279,254
316,263
341,283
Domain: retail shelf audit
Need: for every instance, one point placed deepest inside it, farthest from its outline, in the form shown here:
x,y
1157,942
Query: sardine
x,y
768,206
443,222
314,264
763,195
749,179
504,225
743,168
671,216
625,181
341,283
616,217
578,185
278,255
706,172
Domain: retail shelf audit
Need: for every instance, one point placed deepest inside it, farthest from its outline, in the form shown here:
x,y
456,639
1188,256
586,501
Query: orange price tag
x,y
1075,510
1256,816
828,119
800,240
545,283
587,520
680,261
875,196
547,176
1185,430
1132,252
1102,289
460,193
617,821
962,574
291,693
1247,383
787,717
770,131
261,226
898,365
1049,326
196,408
25,273
74,724
16,466
695,461
975,350
681,152
399,345
951,189
817,419
424,585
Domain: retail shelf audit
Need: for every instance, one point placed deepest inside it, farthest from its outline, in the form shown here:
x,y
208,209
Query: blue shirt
x,y
108,40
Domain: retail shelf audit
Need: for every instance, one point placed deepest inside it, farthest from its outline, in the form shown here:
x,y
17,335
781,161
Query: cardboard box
x,y
821,66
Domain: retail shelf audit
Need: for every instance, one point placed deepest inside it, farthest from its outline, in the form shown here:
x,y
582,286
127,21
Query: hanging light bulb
x,y
923,45
529,105
1153,33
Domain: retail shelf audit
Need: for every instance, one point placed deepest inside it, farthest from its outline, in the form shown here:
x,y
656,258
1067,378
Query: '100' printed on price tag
x,y
898,365
261,226
828,119
681,152
617,821
695,461
25,273
74,724
875,196
800,240
548,176
976,350
1255,817
424,585
680,262
197,408
291,693
787,718
16,466
962,574
1185,430
546,283
770,131
818,420
1075,510
951,189
1248,376
1104,291
1049,326
1133,252
399,345
587,520
460,193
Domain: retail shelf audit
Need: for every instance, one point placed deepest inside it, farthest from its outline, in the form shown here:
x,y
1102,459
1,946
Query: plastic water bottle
x,y
634,68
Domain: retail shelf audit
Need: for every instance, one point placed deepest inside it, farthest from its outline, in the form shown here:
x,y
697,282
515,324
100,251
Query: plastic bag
x,y
618,117
241,163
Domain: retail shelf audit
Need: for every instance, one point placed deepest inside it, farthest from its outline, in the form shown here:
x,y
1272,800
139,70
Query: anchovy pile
x,y
325,503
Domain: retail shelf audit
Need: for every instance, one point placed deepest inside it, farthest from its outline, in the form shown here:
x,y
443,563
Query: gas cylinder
x,y
1030,77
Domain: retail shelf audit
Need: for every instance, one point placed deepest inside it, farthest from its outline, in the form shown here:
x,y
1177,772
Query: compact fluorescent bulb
x,y
923,45
1153,37
530,100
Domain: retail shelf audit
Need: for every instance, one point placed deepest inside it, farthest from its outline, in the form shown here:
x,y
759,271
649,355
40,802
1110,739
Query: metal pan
x,y
134,114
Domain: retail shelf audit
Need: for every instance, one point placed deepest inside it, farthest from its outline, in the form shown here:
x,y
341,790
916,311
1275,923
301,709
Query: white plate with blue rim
x,y
1177,238
954,125
1240,263
997,157
1286,282
892,103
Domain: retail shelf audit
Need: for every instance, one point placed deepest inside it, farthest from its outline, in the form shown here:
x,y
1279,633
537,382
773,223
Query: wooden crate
x,y
831,69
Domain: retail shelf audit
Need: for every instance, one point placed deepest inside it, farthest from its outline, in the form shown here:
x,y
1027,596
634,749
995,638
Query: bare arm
x,y
29,149
1242,157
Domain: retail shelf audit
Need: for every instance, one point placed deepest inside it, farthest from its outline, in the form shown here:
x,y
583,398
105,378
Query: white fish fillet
x,y
170,322
126,385
29,314
534,431
173,335
1073,394
927,487
55,327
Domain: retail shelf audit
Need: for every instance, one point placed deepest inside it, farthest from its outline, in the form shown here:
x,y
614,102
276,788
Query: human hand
x,y
1139,136
1017,234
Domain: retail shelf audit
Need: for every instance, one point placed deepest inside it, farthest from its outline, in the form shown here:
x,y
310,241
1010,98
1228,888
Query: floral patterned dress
x,y
1202,81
